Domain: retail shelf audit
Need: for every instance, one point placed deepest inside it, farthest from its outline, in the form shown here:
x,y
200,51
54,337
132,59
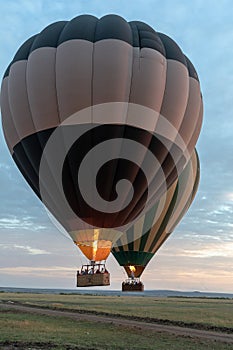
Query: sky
x,y
199,254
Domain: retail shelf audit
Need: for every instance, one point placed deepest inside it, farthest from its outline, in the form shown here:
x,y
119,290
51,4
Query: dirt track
x,y
179,331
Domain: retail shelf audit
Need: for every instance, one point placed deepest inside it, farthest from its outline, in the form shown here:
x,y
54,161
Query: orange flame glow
x,y
132,268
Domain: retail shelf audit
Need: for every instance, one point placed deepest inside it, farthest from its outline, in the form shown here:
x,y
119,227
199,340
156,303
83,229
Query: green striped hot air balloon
x,y
135,249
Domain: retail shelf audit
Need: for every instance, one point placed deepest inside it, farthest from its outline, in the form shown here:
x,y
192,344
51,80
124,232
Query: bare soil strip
x,y
118,321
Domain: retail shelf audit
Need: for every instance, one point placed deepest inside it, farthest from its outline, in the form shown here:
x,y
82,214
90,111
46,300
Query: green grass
x,y
210,312
62,333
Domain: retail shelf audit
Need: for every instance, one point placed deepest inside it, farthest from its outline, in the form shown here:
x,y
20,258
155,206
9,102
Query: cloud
x,y
26,249
31,251
45,272
26,223
203,246
220,250
4,166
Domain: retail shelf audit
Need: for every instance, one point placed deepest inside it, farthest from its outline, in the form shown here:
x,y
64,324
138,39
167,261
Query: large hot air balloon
x,y
134,249
100,116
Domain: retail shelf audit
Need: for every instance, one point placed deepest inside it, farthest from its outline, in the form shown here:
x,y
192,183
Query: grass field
x,y
213,312
63,333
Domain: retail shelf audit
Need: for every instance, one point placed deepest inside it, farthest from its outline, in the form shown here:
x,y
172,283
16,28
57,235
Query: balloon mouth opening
x,y
97,250
134,270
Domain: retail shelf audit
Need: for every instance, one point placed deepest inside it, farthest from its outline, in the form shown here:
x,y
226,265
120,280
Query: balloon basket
x,y
93,275
132,285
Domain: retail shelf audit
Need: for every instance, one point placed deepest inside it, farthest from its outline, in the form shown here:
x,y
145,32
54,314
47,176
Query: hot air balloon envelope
x,y
100,116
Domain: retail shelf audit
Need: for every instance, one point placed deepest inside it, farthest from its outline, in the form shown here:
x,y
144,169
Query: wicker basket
x,y
98,279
